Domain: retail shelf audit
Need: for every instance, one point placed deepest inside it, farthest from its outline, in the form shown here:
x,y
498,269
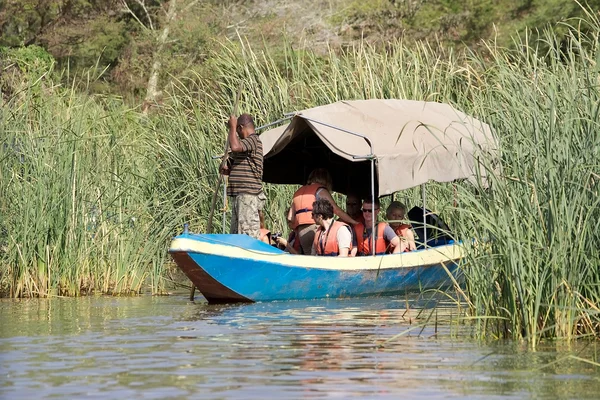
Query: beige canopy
x,y
411,143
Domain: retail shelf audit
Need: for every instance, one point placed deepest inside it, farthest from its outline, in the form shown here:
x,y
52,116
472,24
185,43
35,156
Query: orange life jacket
x,y
293,237
401,232
331,247
303,201
364,242
402,229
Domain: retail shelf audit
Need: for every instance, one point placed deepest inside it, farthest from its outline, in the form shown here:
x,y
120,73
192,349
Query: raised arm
x,y
234,141
324,193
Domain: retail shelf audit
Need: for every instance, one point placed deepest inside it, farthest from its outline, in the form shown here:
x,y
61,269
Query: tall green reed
x,y
533,272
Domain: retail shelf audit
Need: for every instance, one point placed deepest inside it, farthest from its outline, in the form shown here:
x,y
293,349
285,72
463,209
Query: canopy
x,y
411,142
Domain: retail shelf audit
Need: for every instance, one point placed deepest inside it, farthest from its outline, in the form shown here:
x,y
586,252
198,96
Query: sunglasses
x,y
369,210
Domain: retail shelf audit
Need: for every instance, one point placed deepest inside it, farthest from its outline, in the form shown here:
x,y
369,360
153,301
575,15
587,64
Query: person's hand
x,y
232,122
281,242
224,170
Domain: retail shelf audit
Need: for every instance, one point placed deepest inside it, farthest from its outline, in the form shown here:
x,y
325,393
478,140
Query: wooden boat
x,y
238,268
401,144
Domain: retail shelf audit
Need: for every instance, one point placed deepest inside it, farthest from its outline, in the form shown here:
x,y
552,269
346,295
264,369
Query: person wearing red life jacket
x,y
396,215
318,186
385,237
333,238
291,244
265,234
353,205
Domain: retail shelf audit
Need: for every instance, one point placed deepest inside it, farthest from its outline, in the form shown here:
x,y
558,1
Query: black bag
x,y
438,232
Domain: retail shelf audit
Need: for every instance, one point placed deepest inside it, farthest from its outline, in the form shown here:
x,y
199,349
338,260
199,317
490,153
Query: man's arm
x,y
344,238
324,194
391,237
234,141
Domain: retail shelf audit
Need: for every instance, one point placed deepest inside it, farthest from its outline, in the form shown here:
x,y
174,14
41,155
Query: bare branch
x,y
133,14
141,3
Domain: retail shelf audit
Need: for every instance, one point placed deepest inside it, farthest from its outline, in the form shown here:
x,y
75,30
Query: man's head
x,y
370,210
353,203
395,213
322,210
245,126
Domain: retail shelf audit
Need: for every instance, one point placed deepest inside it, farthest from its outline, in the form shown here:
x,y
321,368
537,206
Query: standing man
x,y
245,168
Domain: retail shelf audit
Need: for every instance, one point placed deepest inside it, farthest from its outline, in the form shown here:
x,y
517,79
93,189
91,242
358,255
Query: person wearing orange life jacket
x,y
333,238
353,205
385,237
265,234
396,215
318,186
291,245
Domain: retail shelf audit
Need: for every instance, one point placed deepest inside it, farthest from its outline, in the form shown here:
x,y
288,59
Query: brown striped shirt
x,y
246,167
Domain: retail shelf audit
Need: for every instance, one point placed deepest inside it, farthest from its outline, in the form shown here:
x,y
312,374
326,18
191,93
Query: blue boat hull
x,y
237,268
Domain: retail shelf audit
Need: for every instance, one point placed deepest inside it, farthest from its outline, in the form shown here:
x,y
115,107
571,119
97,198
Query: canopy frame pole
x,y
373,233
371,156
424,215
287,116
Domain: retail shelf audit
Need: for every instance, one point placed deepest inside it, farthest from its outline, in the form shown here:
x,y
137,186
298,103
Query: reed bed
x,y
94,191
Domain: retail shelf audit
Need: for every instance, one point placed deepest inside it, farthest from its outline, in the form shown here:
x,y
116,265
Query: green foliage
x,y
102,44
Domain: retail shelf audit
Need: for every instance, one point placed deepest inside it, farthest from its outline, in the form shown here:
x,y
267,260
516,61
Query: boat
x,y
371,147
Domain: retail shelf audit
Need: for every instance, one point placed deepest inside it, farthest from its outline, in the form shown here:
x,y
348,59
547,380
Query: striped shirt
x,y
246,167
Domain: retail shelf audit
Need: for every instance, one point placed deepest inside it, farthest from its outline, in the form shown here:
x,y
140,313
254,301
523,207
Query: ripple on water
x,y
165,347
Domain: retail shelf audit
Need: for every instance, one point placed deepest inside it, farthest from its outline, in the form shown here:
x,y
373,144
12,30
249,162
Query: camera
x,y
275,236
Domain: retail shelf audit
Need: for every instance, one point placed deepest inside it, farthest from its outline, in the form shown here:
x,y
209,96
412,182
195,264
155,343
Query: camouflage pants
x,y
244,215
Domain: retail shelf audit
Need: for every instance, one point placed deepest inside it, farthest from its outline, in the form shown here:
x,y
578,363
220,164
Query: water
x,y
167,348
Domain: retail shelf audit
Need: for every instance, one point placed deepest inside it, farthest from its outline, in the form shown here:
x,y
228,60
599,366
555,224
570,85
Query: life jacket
x,y
402,229
302,201
265,233
293,237
364,242
401,232
331,247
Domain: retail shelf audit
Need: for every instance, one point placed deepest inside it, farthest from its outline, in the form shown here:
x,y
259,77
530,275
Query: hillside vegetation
x,y
137,47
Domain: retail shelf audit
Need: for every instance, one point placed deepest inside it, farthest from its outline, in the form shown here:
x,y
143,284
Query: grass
x,y
93,191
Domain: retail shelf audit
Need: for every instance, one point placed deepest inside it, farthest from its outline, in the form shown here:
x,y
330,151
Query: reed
x,y
94,190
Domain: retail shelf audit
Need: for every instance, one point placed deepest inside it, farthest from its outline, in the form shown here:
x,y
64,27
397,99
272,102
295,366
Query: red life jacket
x,y
329,245
293,237
402,229
401,232
364,242
303,201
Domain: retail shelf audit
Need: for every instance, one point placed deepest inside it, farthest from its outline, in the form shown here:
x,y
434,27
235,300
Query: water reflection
x,y
165,347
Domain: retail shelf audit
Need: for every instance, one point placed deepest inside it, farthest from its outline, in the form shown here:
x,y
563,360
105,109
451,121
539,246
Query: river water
x,y
168,348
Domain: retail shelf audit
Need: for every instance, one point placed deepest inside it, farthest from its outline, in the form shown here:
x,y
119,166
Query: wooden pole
x,y
220,178
223,161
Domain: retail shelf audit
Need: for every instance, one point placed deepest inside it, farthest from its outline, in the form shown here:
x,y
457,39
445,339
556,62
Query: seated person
x,y
265,234
385,237
333,238
291,245
396,215
319,186
353,204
